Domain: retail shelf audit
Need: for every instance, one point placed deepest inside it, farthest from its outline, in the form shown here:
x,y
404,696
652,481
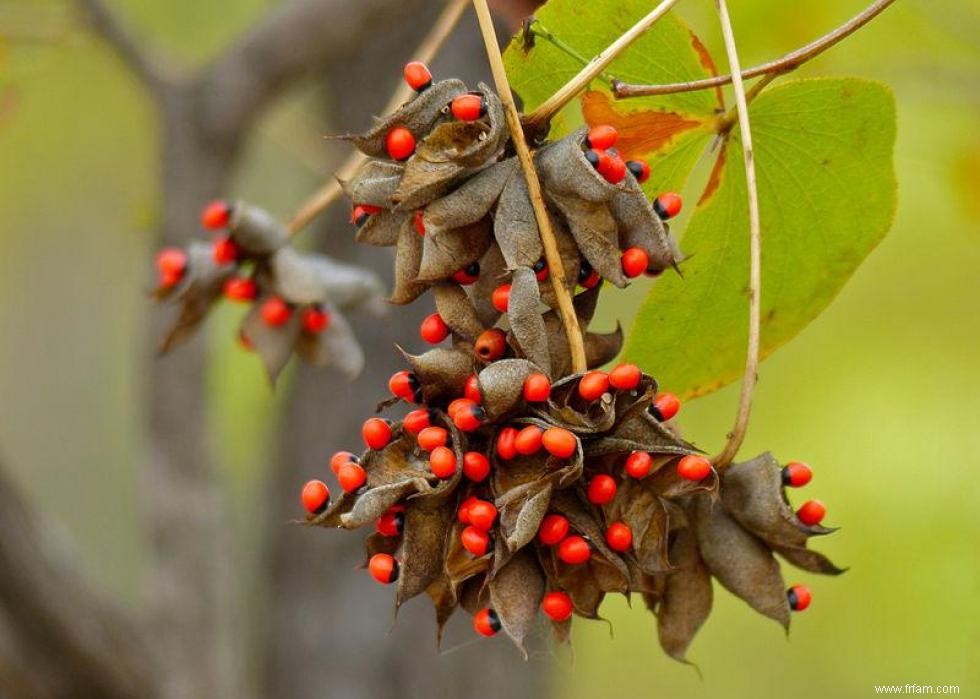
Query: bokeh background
x,y
879,394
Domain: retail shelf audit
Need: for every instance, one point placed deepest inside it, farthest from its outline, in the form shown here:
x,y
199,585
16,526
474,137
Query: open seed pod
x,y
504,493
296,297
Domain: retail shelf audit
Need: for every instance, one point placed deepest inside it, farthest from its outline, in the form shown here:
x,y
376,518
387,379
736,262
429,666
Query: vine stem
x,y
595,67
566,307
425,52
737,435
784,64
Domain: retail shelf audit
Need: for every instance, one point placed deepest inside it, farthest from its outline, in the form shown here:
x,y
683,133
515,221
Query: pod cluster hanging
x,y
514,489
295,298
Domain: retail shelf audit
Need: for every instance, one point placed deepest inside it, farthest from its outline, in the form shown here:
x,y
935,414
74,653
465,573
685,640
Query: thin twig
x,y
106,24
426,51
566,307
595,67
784,64
737,434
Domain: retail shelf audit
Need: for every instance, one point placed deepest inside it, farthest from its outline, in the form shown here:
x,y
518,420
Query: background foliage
x,y
879,394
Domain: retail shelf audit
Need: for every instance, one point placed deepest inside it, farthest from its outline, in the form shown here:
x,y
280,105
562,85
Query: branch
x,y
553,104
64,641
426,51
566,307
296,39
789,62
737,435
104,22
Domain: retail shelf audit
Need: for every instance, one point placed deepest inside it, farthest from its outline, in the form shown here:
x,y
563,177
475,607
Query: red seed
x,y
667,205
799,597
796,474
241,289
315,320
593,384
476,467
601,137
275,312
486,622
469,107
405,385
557,605
392,522
463,513
434,329
376,433
417,76
244,342
315,497
471,389
528,440
171,265
640,170
474,540
612,169
559,442
216,215
638,464
417,420
625,377
432,437
491,344
482,515
224,250
340,458
468,275
619,537
400,143
540,270
501,297
665,406
455,405
419,222
506,447
360,213
351,476
812,512
693,467
537,388
469,417
553,529
588,278
602,489
574,550
442,462
383,568
634,262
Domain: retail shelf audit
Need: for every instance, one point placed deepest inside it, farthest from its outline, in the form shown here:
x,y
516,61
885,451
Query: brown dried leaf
x,y
493,271
444,600
742,563
408,257
427,525
687,596
515,594
472,201
808,560
515,227
526,323
446,251
374,183
454,306
596,233
638,430
645,514
441,371
565,171
641,227
502,385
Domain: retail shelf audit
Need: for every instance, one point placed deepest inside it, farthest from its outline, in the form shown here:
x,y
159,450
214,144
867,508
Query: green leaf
x,y
823,151
669,131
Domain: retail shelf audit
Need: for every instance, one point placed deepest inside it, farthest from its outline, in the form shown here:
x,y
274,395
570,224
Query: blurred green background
x,y
879,395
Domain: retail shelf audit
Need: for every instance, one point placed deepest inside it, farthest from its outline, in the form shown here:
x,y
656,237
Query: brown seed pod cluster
x,y
296,297
458,212
517,486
